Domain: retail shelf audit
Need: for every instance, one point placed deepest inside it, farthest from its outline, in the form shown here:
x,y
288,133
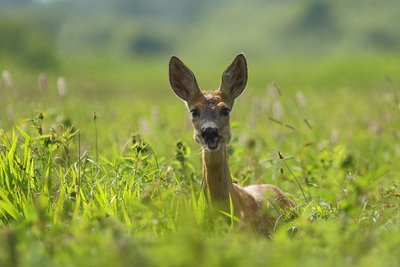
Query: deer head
x,y
210,109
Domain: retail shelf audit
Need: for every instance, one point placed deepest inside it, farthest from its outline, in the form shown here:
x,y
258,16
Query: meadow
x,y
105,173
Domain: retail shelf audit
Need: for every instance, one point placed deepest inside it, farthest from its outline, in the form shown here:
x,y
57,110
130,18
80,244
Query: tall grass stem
x,y
95,136
294,176
79,163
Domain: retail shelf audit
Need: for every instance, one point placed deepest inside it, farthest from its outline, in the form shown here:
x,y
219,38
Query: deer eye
x,y
225,111
195,113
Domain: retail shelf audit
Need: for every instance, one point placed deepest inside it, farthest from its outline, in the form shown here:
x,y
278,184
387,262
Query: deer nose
x,y
209,132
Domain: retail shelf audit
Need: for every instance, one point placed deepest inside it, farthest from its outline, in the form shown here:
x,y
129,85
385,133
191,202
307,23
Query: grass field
x,y
133,196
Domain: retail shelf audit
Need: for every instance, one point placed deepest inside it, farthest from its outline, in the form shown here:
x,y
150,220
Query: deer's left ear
x,y
234,78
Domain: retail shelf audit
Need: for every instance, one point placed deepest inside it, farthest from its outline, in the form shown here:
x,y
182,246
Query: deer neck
x,y
218,182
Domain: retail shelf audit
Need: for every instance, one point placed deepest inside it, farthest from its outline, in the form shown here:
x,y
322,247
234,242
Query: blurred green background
x,y
114,54
43,33
114,57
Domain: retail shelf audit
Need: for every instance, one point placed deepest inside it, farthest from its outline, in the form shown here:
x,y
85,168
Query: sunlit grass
x,y
126,189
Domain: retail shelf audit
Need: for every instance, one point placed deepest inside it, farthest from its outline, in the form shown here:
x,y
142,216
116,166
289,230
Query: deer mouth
x,y
212,143
210,138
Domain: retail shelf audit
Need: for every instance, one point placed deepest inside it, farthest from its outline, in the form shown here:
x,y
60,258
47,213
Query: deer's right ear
x,y
182,80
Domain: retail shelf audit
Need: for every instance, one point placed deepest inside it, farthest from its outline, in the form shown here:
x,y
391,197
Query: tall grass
x,y
76,195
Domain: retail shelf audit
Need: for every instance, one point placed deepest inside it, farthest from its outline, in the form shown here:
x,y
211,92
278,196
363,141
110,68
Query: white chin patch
x,y
212,149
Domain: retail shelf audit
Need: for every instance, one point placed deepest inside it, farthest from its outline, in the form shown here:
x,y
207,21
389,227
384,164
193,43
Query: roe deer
x,y
261,206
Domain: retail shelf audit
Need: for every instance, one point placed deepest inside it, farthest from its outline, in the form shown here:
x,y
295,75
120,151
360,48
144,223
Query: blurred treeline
x,y
43,33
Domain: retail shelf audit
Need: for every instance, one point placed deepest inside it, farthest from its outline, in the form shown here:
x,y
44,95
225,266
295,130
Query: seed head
x,y
61,86
7,79
42,81
52,138
274,90
155,113
301,99
144,125
277,110
136,139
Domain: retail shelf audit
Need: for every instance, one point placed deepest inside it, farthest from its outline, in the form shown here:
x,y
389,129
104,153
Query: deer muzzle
x,y
210,138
